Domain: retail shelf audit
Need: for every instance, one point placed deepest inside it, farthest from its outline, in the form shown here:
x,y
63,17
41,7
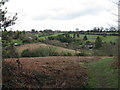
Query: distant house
x,y
89,45
40,33
16,44
66,44
30,38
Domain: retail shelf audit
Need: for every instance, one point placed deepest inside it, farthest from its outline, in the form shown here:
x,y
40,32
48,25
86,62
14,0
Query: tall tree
x,y
5,22
98,42
78,36
85,38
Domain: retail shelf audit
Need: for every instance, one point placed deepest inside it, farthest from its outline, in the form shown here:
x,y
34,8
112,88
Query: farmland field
x,y
61,72
90,37
104,39
49,72
59,60
46,36
63,46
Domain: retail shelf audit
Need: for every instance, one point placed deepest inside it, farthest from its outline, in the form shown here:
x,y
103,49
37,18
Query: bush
x,y
52,51
98,42
27,40
43,52
40,52
80,54
68,54
14,78
8,76
85,38
26,53
9,52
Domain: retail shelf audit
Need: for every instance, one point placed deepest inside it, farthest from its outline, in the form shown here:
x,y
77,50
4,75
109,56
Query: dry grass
x,y
49,72
38,45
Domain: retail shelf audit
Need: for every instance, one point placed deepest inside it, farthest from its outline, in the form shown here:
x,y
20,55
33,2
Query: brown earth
x,y
47,72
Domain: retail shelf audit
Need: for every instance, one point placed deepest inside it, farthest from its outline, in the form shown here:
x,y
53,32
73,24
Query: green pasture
x,y
92,38
101,74
17,41
45,37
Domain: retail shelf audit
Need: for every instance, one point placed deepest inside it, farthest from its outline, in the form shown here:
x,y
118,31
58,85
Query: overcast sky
x,y
62,14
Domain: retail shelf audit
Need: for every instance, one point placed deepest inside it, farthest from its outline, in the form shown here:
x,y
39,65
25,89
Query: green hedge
x,y
43,52
40,52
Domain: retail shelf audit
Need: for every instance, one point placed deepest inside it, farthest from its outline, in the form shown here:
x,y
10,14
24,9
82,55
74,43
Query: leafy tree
x,y
74,35
6,21
95,29
85,38
33,31
10,52
112,29
26,40
67,35
98,42
78,35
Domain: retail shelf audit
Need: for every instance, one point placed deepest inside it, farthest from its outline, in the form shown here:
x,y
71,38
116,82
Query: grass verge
x,y
101,74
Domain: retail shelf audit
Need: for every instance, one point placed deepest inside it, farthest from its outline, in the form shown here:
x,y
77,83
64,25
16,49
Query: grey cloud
x,y
57,9
40,18
90,11
70,16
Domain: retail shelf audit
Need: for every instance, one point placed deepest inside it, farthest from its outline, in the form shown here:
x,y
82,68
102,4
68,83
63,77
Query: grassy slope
x,y
38,45
107,38
45,37
101,74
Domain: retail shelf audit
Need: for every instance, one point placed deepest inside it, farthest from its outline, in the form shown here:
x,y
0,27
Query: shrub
x,y
98,42
40,52
85,38
9,52
52,51
26,53
80,54
68,54
8,76
26,40
11,79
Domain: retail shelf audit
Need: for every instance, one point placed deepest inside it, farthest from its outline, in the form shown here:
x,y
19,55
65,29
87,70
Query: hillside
x,y
33,46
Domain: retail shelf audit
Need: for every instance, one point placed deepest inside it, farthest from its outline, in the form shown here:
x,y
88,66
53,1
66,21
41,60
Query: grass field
x,y
45,37
92,38
101,74
18,41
